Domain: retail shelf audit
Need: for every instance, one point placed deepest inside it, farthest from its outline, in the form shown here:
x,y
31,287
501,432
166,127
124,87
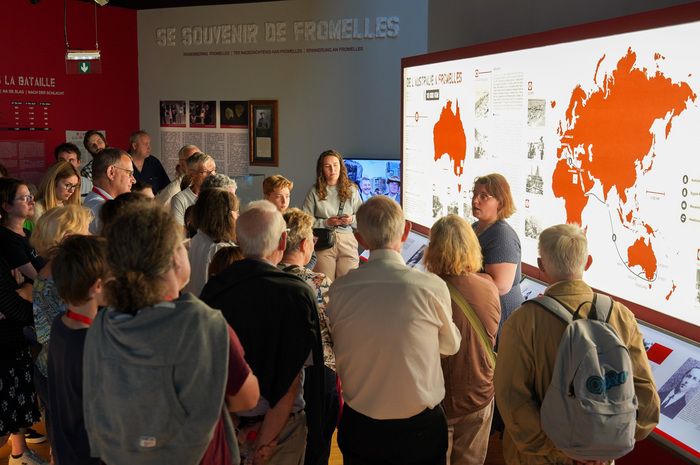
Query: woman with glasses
x,y
60,186
333,201
492,203
17,205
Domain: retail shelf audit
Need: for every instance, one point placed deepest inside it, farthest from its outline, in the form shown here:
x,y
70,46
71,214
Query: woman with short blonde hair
x,y
49,232
455,255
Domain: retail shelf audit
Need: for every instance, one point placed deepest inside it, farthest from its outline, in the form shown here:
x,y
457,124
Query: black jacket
x,y
274,315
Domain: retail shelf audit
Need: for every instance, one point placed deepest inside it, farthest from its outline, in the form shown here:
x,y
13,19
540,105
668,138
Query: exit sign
x,y
83,66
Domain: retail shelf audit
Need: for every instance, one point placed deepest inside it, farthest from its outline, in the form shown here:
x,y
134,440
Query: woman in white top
x,y
332,190
215,215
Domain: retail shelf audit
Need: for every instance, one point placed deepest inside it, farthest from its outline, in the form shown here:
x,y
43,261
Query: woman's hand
x,y
334,221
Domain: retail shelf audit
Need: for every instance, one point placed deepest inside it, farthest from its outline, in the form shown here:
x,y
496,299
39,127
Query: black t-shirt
x,y
68,435
152,173
16,251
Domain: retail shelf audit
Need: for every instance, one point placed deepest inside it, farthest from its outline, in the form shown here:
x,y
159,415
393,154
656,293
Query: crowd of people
x,y
159,321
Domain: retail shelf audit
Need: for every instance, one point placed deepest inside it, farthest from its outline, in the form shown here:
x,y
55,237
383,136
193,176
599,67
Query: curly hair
x,y
56,224
141,241
47,189
299,227
344,185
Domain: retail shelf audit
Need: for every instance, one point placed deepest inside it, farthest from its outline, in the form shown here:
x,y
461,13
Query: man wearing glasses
x,y
113,174
199,167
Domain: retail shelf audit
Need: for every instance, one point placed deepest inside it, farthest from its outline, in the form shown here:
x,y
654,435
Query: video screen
x,y
375,177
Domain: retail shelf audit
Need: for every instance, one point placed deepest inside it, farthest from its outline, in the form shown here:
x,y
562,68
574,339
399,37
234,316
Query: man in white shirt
x,y
199,167
113,174
390,325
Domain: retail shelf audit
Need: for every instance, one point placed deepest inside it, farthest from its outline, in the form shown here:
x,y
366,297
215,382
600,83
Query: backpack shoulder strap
x,y
553,306
603,306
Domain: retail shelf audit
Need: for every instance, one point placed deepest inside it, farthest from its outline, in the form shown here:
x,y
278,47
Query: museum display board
x,y
595,125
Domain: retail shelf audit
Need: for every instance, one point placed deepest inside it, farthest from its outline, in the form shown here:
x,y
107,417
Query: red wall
x,y
32,44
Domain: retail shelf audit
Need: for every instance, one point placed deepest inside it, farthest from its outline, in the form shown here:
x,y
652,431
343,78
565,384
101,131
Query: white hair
x,y
564,251
380,222
259,229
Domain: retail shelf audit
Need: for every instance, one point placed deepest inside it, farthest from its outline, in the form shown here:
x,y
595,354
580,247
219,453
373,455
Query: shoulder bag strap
x,y
475,322
340,207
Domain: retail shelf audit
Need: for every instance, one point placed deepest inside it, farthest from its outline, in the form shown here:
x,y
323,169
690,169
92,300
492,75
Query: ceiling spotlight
x,y
102,2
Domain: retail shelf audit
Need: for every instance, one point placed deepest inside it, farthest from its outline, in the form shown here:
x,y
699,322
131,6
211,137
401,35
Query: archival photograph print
x,y
173,114
202,113
680,388
234,113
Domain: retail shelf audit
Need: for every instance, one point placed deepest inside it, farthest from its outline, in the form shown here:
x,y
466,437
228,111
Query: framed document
x,y
262,128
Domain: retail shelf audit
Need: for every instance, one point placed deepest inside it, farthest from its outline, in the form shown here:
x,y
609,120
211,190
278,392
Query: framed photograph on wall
x,y
262,128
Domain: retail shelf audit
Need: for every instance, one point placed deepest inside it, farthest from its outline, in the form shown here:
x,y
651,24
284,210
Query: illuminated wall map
x,y
604,132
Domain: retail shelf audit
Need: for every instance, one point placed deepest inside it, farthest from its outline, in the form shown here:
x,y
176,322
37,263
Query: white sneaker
x,y
28,458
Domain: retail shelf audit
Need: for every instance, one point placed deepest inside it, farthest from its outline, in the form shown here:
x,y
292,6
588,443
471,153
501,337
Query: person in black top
x,y
80,267
16,205
147,168
19,406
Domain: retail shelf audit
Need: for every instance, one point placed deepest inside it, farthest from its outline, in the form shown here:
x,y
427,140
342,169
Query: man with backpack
x,y
573,381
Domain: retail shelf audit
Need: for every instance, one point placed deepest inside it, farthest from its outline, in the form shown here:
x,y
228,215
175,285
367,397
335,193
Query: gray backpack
x,y
590,408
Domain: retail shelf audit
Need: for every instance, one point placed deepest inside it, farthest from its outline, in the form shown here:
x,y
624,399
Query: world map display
x,y
603,132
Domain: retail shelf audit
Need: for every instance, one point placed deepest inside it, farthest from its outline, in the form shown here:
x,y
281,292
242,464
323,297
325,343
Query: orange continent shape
x,y
449,137
641,254
563,186
613,123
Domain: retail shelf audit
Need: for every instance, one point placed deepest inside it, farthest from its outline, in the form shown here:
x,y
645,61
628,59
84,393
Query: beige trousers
x,y
468,437
339,259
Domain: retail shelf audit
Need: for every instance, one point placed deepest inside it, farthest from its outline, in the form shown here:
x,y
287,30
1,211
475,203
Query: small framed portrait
x,y
262,127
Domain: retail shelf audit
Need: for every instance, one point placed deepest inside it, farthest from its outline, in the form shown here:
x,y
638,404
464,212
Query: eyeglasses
x,y
70,187
129,172
203,172
25,198
482,196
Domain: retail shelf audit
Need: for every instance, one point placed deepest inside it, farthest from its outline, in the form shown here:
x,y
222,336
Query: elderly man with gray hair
x,y
529,344
274,315
390,325
168,192
199,167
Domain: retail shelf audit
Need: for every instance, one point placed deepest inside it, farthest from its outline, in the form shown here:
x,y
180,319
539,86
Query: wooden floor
x,y
494,456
